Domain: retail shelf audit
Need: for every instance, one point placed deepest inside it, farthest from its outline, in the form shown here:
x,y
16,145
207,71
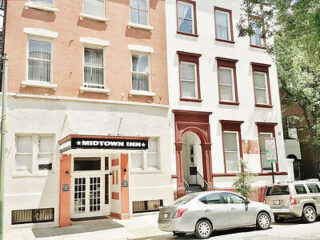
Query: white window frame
x,y
141,73
145,168
233,85
195,79
27,60
140,9
192,15
229,25
92,17
39,2
35,138
269,135
252,42
257,88
104,66
238,151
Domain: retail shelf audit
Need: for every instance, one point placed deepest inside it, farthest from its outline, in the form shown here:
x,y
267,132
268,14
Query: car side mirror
x,y
247,201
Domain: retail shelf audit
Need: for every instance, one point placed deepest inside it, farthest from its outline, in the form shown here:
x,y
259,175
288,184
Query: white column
x,y
289,162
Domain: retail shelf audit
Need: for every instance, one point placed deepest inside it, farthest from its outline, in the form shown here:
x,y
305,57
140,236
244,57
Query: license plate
x,y
276,202
165,215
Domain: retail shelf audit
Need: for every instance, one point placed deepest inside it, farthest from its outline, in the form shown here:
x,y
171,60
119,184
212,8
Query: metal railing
x,y
187,186
203,183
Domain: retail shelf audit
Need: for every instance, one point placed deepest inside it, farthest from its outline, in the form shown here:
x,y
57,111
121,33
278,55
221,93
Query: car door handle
x,y
207,210
314,197
233,209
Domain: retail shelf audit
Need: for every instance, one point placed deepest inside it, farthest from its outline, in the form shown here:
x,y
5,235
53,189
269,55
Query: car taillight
x,y
293,201
179,212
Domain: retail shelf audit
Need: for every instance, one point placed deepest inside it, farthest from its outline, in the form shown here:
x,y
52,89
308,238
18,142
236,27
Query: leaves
x,y
244,180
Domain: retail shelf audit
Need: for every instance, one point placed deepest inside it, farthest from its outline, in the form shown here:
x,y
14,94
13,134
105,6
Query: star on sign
x,y
78,143
143,144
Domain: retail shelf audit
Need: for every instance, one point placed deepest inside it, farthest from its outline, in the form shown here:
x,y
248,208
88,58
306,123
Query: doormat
x,y
88,219
88,226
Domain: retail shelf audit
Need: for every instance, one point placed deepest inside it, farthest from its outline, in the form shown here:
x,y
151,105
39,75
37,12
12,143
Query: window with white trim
x,y
141,72
186,17
39,60
139,10
94,8
147,160
231,151
44,2
188,73
93,68
223,25
256,39
34,153
262,141
226,83
261,88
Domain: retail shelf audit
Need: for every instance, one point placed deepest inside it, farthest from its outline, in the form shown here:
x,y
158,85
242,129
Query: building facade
x,y
88,123
224,98
119,107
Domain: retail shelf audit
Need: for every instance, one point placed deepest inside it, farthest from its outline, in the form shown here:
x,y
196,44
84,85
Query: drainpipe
x,y
4,61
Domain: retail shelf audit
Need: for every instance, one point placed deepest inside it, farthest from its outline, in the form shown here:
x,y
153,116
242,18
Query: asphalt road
x,y
293,230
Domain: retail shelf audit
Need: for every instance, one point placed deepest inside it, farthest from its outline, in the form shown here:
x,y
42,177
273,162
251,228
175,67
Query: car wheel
x,y
179,234
263,221
309,214
203,229
278,219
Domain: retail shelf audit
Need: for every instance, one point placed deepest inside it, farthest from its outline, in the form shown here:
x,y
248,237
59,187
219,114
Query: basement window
x,y
146,206
32,216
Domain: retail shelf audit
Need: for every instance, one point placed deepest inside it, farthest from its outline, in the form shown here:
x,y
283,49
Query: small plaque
x,y
65,188
193,170
124,183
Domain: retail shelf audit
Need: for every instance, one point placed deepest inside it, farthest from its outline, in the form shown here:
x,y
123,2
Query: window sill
x,y
147,171
140,26
190,100
30,83
263,105
100,19
226,41
229,103
188,34
95,90
40,7
141,93
260,47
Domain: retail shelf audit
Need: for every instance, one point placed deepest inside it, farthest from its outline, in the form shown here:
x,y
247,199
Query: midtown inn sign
x,y
105,143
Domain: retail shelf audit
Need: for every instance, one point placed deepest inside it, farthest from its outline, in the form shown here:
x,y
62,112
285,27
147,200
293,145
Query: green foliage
x,y
244,180
292,29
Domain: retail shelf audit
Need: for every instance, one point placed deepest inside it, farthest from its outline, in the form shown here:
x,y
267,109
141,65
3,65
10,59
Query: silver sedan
x,y
205,212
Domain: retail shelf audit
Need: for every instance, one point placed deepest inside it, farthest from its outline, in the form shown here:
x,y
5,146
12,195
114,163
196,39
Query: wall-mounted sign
x,y
124,183
65,187
91,143
271,152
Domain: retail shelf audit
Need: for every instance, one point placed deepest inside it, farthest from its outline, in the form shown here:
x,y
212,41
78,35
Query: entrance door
x,y
90,187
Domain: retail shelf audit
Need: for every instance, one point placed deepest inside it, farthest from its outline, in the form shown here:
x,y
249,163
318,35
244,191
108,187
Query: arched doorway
x,y
187,122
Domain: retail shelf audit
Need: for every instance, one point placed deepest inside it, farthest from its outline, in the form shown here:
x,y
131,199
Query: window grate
x,y
32,216
147,206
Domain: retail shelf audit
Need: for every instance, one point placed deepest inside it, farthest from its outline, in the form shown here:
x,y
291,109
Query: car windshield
x,y
278,190
185,199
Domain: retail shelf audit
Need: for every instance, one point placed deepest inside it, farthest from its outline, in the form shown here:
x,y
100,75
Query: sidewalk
x,y
134,228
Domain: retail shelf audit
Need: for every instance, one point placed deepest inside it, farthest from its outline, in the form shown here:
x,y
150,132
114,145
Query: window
x,y
189,76
232,198
313,188
256,39
93,68
94,7
265,130
140,72
227,80
213,198
186,17
87,164
34,153
278,190
45,2
146,160
262,140
300,189
231,137
32,216
139,11
146,206
39,60
224,29
261,85
231,151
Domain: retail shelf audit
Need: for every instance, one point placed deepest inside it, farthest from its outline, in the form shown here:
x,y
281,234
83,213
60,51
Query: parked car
x,y
295,199
205,212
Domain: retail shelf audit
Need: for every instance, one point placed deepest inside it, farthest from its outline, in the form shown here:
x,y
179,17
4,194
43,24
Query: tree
x,y
294,25
244,180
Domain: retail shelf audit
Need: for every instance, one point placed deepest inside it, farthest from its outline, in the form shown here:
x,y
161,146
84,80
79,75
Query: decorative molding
x,y
141,93
39,32
39,84
47,8
140,48
140,26
100,19
94,41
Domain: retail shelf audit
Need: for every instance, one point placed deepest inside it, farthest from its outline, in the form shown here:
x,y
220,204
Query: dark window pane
x,y
300,189
212,199
278,190
313,188
87,164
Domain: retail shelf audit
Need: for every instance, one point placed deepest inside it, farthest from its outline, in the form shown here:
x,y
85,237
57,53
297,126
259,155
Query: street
x,y
296,230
